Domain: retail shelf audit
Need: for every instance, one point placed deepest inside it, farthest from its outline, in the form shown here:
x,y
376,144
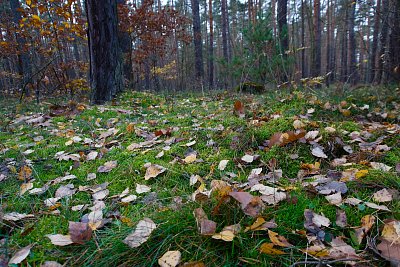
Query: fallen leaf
x,y
79,232
261,224
278,240
100,194
92,155
140,188
319,251
108,166
225,235
25,173
129,199
391,231
192,157
250,204
222,164
204,225
268,248
60,240
51,264
15,216
383,195
153,170
298,124
366,224
20,255
25,187
318,152
380,166
340,250
341,218
335,199
170,259
270,195
65,191
142,232
238,109
248,158
376,207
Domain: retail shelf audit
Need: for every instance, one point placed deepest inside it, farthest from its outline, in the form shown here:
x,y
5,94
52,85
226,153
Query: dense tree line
x,y
58,46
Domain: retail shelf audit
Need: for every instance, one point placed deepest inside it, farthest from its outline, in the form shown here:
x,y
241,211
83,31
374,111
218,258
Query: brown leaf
x,y
250,204
268,248
153,170
282,139
20,255
205,226
261,224
390,252
340,250
238,109
79,232
278,240
341,218
142,232
366,224
108,166
25,173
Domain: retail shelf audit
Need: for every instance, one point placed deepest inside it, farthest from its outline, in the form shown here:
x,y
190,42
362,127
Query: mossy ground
x,y
197,118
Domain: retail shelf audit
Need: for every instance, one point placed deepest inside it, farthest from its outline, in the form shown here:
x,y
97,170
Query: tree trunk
x,y
353,73
224,24
198,50
211,47
105,65
394,43
24,62
316,62
383,43
282,26
374,48
304,72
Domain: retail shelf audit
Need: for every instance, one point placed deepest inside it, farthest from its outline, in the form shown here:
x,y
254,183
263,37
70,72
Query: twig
x,y
321,262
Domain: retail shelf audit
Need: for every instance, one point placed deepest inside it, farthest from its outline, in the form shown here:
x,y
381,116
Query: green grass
x,y
195,118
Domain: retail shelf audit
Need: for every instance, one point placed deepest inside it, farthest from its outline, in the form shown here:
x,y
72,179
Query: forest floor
x,y
217,180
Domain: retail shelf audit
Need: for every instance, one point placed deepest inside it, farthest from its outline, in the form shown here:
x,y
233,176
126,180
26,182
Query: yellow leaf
x,y
190,159
24,173
317,251
361,174
268,248
36,17
278,240
226,235
28,2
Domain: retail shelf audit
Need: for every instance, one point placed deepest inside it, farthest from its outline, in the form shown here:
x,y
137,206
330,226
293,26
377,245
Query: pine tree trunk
x,y
211,47
374,48
353,73
224,24
198,53
316,62
105,65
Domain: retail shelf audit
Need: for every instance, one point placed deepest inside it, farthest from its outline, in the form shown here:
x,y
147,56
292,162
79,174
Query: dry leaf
x,y
129,199
261,224
340,250
383,196
335,199
268,248
142,232
108,166
341,218
79,232
25,187
222,164
15,216
225,235
248,158
318,251
153,170
60,240
51,264
250,205
65,191
192,157
270,195
25,173
278,240
298,124
366,224
170,259
141,188
380,166
205,226
20,255
92,155
318,152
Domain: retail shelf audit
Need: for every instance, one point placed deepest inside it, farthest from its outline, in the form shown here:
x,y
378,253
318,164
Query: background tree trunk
x,y
198,50
353,73
316,62
105,65
211,47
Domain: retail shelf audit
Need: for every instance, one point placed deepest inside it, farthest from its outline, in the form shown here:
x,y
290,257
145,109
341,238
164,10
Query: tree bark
x,y
316,62
282,26
353,73
383,43
198,50
374,48
211,47
105,65
224,24
24,62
